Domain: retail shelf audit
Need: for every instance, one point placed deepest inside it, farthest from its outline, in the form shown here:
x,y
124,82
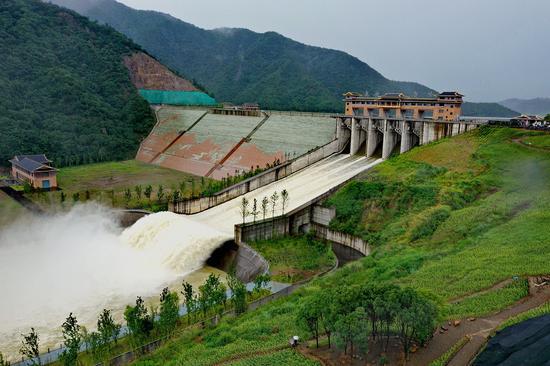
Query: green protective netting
x,y
177,97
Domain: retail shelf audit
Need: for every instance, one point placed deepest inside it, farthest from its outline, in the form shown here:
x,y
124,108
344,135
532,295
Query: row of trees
x,y
211,298
266,204
354,315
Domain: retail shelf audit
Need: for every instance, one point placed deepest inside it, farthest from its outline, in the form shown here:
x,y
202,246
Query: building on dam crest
x,y
445,106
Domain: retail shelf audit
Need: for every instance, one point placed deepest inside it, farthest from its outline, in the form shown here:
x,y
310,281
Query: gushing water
x,y
82,262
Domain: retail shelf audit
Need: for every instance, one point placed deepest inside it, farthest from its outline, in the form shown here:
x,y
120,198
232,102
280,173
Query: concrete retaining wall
x,y
312,217
249,264
192,206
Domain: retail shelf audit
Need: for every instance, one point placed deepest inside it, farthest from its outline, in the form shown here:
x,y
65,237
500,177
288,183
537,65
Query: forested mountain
x,y
487,110
239,65
540,106
65,90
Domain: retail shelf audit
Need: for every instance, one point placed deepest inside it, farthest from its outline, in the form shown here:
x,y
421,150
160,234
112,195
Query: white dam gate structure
x,y
389,135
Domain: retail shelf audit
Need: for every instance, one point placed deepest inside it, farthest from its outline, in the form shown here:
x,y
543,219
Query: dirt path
x,y
479,330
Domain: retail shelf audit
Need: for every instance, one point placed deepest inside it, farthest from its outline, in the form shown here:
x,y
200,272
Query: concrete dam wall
x,y
198,141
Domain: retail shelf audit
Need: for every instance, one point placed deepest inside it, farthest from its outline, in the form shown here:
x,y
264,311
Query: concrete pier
x,y
404,133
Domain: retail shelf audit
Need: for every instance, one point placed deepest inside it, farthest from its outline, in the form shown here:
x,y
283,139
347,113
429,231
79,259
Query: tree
x,y
169,311
265,205
160,193
193,184
29,347
96,346
140,323
212,294
175,196
255,212
547,118
274,198
238,293
183,186
351,330
415,319
190,299
148,191
244,209
284,196
2,361
127,196
138,191
261,281
309,315
72,339
76,197
108,328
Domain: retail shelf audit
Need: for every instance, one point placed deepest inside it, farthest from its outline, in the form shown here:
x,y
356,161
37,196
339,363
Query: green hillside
x,y
487,110
65,91
450,219
239,65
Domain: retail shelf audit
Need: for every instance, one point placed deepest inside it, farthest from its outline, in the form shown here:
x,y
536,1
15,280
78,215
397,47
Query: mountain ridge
x,y
538,106
240,65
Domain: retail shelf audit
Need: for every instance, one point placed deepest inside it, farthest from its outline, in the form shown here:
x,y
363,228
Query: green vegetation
x,y
488,302
498,201
538,141
487,110
9,209
275,67
353,314
65,91
286,357
292,259
130,184
447,356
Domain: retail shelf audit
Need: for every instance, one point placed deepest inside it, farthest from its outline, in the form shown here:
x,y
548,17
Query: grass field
x,y
450,219
10,210
540,141
293,259
107,183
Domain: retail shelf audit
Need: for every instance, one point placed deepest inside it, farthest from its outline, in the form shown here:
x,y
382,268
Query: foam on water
x,y
82,261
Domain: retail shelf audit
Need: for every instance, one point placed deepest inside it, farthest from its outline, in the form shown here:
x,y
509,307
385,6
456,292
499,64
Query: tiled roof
x,y
32,163
39,158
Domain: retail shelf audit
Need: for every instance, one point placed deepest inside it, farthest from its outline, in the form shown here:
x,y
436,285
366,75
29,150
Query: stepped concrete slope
x,y
207,143
218,145
170,126
302,187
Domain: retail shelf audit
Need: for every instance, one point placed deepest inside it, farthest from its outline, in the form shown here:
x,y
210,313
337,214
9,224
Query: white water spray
x,y
82,262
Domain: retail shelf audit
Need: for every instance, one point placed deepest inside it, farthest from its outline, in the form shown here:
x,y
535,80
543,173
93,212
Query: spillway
x,y
82,261
302,187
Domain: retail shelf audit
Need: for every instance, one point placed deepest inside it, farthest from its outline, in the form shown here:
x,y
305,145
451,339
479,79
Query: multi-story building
x,y
444,107
35,170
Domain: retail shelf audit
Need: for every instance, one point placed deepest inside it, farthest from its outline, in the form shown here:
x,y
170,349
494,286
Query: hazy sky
x,y
487,49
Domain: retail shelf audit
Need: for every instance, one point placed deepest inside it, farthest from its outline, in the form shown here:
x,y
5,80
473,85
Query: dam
x,y
82,261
